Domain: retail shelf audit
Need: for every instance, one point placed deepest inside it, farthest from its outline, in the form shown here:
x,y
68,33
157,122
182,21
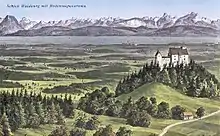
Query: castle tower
x,y
158,58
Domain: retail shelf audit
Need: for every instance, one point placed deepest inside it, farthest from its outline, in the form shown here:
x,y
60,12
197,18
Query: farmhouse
x,y
187,115
175,56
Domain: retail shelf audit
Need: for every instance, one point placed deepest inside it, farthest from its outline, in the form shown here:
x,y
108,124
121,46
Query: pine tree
x,y
192,90
173,76
213,89
65,106
33,119
180,84
164,77
60,117
51,114
60,131
6,130
198,83
148,78
71,107
118,88
13,117
204,92
45,102
40,112
22,119
1,133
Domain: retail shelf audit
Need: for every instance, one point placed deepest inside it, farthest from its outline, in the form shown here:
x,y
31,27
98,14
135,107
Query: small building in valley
x,y
187,115
175,56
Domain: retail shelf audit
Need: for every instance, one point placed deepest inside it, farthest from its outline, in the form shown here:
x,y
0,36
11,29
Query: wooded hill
x,y
193,79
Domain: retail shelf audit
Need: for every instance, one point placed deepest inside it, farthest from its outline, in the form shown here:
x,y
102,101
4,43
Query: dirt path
x,y
184,122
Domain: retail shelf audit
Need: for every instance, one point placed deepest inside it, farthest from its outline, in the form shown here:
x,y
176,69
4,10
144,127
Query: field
x,y
207,127
57,69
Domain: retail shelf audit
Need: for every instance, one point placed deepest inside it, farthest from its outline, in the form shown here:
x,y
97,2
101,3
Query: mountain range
x,y
166,25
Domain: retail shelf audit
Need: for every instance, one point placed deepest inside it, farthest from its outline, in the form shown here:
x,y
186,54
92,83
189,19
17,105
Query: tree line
x,y
20,109
137,113
102,131
84,123
192,79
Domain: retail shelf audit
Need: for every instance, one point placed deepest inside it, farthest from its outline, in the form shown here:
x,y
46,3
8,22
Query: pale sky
x,y
114,8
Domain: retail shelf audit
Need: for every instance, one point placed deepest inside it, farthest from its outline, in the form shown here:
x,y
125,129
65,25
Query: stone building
x,y
175,56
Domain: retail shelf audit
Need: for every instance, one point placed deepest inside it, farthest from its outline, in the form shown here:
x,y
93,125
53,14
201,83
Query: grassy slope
x,y
208,127
172,96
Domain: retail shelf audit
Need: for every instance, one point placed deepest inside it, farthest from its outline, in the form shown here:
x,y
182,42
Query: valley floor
x,y
78,70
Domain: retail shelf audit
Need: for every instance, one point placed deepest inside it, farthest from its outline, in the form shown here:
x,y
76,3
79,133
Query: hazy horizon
x,y
104,40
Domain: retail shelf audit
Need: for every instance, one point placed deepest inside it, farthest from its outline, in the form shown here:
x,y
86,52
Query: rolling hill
x,y
172,96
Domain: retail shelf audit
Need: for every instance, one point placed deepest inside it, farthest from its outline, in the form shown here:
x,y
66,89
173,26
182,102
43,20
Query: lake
x,y
75,40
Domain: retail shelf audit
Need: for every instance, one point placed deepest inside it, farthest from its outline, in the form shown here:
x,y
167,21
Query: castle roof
x,y
165,57
158,52
178,51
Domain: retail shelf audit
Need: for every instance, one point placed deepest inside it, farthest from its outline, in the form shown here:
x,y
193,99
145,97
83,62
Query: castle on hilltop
x,y
175,56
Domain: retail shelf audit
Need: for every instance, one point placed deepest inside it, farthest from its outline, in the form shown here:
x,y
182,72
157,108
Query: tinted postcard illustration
x,y
109,68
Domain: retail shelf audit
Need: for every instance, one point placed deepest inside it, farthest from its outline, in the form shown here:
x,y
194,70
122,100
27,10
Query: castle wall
x,y
184,59
159,60
174,59
166,61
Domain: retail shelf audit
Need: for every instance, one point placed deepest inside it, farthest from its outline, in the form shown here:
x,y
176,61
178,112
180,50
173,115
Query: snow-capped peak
x,y
216,23
165,21
10,25
207,20
188,19
24,19
39,25
27,23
